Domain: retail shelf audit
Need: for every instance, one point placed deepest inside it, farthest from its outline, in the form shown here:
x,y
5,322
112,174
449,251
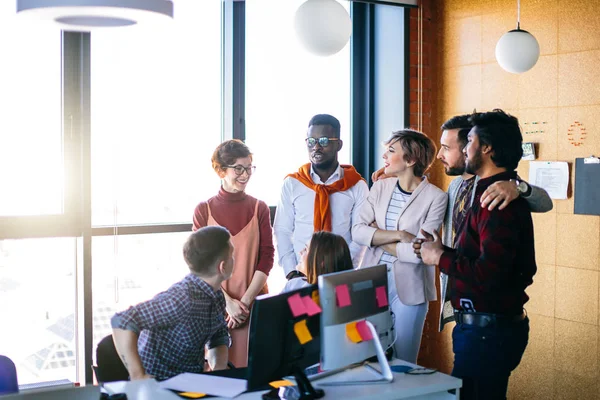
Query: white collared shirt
x,y
294,219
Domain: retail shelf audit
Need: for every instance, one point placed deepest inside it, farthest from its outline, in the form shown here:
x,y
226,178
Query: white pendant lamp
x,y
323,26
517,51
85,15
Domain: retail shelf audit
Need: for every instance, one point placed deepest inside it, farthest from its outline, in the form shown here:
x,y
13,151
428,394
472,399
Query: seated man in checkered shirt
x,y
166,336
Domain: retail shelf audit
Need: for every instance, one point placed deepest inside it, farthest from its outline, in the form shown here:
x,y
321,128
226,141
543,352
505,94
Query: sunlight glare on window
x,y
285,87
31,153
156,117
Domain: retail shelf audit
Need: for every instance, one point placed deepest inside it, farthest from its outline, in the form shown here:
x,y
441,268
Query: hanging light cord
x,y
518,14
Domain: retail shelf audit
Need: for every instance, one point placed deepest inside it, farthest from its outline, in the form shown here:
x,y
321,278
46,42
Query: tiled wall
x,y
562,360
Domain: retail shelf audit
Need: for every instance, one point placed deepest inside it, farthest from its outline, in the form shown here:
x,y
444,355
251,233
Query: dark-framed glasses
x,y
239,169
323,141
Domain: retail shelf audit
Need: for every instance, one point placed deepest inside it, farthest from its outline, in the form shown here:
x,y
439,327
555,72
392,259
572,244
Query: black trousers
x,y
485,357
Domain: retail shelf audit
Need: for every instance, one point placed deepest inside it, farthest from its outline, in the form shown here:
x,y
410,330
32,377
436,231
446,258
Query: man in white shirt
x,y
322,195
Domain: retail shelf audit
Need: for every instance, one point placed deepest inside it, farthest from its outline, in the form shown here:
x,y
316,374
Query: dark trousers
x,y
485,357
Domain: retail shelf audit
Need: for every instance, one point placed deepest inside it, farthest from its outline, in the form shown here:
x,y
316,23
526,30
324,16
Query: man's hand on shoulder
x,y
379,175
499,194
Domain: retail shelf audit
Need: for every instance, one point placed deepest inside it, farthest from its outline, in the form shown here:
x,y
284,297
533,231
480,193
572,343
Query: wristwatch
x,y
294,274
522,187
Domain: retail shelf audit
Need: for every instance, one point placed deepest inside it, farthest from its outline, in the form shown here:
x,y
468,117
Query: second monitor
x,y
367,289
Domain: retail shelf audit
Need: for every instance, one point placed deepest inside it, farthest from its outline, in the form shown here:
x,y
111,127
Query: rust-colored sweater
x,y
234,211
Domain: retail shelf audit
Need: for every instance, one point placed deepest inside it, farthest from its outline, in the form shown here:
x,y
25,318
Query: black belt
x,y
483,320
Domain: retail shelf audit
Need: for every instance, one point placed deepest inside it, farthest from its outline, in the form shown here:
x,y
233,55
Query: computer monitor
x,y
337,350
274,350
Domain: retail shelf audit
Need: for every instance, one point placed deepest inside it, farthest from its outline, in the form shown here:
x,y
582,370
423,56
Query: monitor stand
x,y
306,389
385,375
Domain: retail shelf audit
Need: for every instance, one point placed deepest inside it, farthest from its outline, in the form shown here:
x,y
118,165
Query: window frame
x,y
76,219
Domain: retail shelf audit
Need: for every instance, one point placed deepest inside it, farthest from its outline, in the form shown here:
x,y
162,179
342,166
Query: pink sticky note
x,y
364,331
342,296
381,295
311,307
296,305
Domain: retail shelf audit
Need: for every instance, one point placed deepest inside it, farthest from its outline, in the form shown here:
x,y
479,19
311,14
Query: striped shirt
x,y
397,204
176,325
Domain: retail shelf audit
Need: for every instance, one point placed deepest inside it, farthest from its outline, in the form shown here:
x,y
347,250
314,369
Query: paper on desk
x,y
204,383
553,176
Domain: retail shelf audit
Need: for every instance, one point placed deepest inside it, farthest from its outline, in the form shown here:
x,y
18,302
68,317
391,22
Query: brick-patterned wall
x,y
562,360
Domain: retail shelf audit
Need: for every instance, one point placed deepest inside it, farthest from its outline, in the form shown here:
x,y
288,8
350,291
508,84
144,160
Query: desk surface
x,y
434,386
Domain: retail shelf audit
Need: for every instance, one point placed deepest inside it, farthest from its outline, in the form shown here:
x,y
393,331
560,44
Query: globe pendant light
x,y
85,15
323,26
517,51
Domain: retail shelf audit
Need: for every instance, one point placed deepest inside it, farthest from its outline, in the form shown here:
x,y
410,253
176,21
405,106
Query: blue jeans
x,y
485,357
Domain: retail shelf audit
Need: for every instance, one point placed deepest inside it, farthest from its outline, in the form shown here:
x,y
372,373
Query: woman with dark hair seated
x,y
326,253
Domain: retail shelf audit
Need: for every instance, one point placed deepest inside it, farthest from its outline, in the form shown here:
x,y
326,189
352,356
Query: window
x,y
37,294
129,269
31,153
285,87
156,117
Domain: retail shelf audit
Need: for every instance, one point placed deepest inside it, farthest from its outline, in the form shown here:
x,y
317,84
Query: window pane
x,y
129,269
37,307
31,158
156,117
285,87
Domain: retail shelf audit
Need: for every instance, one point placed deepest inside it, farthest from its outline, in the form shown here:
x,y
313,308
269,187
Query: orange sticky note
x,y
302,332
282,383
311,307
364,331
315,297
342,295
352,332
191,395
381,295
296,305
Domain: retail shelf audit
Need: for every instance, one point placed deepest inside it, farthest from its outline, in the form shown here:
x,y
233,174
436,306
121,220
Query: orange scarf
x,y
322,216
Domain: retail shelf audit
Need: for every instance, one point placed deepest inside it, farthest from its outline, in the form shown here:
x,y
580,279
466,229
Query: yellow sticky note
x,y
315,297
191,395
302,332
282,383
352,332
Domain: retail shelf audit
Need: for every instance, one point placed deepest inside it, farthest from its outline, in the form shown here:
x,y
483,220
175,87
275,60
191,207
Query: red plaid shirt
x,y
494,260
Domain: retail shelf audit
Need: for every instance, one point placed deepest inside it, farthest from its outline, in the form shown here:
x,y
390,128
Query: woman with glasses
x,y
326,253
249,222
395,212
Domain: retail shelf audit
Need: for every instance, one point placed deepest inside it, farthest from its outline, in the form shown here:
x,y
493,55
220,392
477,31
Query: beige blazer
x,y
425,209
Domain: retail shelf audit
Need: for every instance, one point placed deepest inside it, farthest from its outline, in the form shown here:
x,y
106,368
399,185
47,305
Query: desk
x,y
413,387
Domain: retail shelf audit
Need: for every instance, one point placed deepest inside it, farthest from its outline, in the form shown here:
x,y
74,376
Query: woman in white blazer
x,y
393,215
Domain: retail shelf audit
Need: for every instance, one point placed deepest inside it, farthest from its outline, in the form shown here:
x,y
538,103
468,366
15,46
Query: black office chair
x,y
109,366
8,376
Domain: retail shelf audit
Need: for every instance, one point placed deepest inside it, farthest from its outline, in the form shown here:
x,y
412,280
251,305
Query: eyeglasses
x,y
323,141
239,170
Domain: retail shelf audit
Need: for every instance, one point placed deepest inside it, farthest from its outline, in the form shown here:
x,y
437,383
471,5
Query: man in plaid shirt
x,y
493,263
166,336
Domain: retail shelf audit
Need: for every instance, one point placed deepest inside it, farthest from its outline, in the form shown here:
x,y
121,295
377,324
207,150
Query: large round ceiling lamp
x,y
517,51
86,15
323,26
